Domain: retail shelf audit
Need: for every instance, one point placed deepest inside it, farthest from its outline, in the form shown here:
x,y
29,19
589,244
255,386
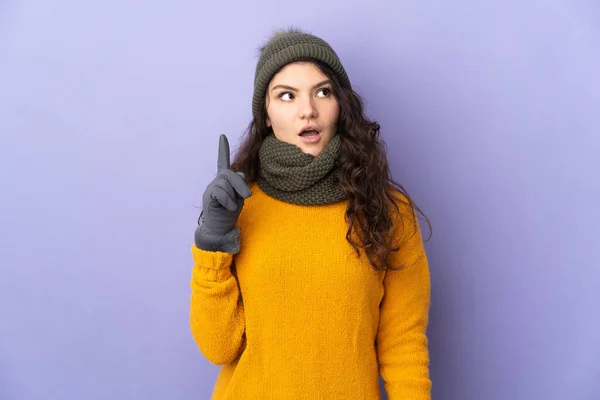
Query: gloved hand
x,y
222,204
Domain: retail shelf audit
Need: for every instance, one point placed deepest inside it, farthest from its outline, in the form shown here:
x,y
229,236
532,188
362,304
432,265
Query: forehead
x,y
297,74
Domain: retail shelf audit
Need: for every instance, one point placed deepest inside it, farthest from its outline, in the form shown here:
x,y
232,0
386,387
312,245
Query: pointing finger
x,y
223,160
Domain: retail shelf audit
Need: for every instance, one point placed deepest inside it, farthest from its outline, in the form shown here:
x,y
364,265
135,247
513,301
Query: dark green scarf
x,y
290,175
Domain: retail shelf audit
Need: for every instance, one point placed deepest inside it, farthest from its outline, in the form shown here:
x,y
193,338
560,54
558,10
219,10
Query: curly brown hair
x,y
365,178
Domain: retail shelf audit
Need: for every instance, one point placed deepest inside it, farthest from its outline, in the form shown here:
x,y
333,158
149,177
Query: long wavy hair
x,y
365,177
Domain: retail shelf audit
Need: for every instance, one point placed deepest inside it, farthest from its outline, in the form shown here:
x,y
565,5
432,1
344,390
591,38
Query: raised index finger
x,y
223,160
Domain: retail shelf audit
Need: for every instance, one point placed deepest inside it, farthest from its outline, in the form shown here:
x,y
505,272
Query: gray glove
x,y
222,203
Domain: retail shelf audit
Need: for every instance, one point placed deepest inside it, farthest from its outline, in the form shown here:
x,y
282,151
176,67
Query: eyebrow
x,y
296,90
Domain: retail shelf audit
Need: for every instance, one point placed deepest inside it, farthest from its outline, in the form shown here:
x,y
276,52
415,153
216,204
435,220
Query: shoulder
x,y
404,217
403,206
407,237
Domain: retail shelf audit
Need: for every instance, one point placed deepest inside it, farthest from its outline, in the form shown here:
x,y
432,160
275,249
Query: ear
x,y
268,122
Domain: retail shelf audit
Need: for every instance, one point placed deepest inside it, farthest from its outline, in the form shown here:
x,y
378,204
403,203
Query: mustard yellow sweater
x,y
300,316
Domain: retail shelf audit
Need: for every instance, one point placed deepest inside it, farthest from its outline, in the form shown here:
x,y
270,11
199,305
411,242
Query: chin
x,y
312,150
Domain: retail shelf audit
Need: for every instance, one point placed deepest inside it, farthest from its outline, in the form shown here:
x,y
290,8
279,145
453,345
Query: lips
x,y
309,130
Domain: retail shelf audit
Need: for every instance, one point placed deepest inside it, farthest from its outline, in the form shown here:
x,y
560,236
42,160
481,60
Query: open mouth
x,y
309,132
310,135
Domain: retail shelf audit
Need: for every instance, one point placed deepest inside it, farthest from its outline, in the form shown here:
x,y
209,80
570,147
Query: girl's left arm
x,y
402,344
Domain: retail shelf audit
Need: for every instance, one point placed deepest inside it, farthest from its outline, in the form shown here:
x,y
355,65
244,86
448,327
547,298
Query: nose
x,y
307,109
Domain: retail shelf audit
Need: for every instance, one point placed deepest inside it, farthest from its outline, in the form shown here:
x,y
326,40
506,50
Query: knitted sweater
x,y
299,316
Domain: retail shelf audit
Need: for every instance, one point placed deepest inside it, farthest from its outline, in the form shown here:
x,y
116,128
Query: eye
x,y
281,96
325,91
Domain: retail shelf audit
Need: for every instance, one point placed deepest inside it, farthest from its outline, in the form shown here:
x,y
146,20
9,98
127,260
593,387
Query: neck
x,y
290,175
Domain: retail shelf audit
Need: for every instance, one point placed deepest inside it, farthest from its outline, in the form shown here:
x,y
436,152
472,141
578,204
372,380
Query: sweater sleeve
x,y
402,345
216,310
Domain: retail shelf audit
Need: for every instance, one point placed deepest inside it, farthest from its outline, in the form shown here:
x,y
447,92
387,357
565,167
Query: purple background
x,y
109,119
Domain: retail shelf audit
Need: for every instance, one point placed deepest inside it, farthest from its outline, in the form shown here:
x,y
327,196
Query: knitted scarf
x,y
290,175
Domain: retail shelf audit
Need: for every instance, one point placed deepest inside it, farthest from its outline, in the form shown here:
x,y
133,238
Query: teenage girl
x,y
310,277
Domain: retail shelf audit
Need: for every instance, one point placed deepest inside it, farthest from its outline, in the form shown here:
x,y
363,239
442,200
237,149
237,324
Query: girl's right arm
x,y
216,309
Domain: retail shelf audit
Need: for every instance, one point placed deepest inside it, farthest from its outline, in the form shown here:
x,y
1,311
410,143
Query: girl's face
x,y
299,97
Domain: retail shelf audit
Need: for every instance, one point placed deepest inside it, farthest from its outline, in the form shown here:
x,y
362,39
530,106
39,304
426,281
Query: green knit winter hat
x,y
284,47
